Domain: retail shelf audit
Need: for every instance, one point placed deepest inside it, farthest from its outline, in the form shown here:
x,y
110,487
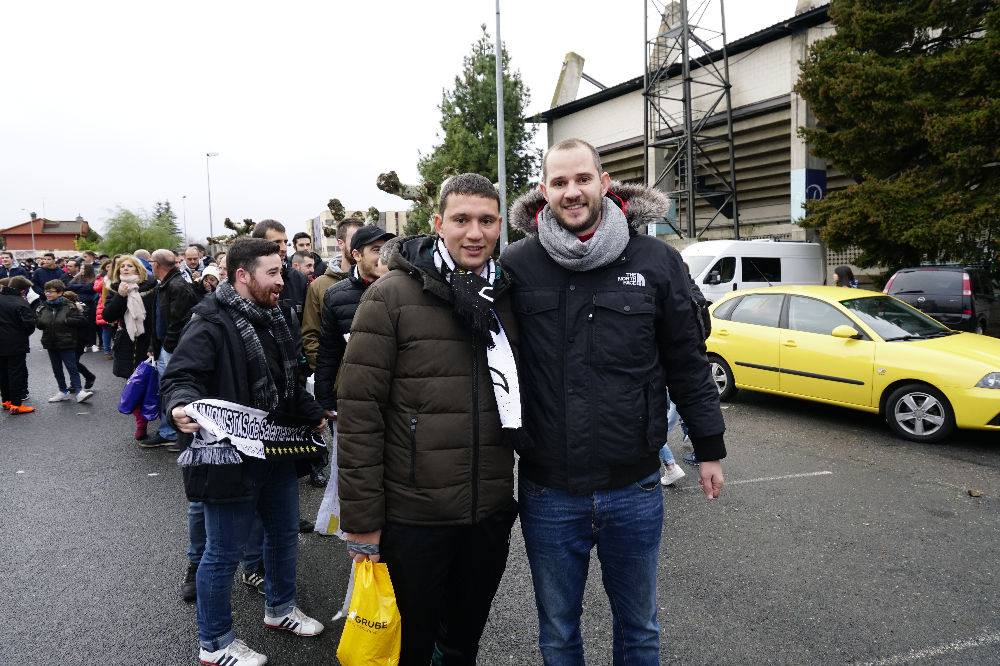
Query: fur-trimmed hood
x,y
642,205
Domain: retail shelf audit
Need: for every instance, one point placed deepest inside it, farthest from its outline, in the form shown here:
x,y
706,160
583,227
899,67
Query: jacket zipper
x,y
475,430
413,450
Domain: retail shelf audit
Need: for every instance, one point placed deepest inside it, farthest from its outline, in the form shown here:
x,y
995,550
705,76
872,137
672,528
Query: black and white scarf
x,y
473,296
246,314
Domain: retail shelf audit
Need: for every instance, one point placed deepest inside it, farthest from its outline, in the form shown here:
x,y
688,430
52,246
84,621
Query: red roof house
x,y
49,235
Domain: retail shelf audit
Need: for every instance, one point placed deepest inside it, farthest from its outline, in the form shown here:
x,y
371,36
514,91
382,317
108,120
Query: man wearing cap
x,y
339,305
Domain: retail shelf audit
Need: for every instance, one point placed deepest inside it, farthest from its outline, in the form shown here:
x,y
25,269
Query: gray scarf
x,y
571,253
246,314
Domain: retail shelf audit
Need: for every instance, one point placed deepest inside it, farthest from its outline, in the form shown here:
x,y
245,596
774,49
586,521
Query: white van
x,y
721,266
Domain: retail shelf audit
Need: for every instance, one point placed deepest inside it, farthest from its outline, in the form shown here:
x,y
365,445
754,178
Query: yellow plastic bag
x,y
372,627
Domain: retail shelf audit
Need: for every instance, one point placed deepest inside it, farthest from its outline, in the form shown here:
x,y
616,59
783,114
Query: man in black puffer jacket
x,y
606,321
17,323
238,347
339,305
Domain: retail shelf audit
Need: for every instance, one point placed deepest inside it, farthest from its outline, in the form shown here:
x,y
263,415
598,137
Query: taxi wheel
x,y
722,375
919,413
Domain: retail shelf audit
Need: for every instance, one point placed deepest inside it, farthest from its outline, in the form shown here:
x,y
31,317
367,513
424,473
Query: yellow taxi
x,y
858,349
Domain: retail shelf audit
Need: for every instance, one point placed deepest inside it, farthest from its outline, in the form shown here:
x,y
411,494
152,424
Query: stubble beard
x,y
259,294
579,227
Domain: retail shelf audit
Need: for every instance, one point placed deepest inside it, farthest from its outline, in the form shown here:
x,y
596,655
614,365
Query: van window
x,y
760,309
761,269
726,268
812,316
697,263
927,282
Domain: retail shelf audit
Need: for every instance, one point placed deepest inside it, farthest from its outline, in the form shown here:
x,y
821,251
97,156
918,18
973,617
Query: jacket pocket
x,y
538,319
413,450
624,331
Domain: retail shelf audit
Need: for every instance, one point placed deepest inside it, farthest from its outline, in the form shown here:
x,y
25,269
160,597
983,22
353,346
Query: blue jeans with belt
x,y
227,528
560,530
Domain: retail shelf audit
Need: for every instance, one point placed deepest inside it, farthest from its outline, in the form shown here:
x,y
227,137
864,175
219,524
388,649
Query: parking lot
x,y
833,543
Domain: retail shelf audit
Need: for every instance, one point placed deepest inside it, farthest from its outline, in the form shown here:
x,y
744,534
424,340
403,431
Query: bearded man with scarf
x,y
427,401
606,322
238,347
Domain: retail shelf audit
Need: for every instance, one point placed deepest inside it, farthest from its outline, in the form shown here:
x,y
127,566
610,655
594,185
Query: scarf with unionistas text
x,y
246,314
473,303
571,253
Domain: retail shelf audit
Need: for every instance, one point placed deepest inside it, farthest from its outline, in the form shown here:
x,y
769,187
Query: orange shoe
x,y
6,404
21,409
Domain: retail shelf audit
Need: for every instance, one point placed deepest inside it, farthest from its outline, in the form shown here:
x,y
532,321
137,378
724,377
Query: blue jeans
x,y
666,455
65,357
227,528
106,337
252,554
166,431
560,530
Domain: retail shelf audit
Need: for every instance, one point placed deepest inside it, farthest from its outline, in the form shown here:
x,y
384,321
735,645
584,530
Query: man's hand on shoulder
x,y
711,480
182,421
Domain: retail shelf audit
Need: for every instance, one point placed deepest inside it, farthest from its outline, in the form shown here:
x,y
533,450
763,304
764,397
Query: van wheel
x,y
919,413
722,375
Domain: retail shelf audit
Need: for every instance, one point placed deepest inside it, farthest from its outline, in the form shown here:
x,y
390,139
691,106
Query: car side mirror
x,y
714,278
846,332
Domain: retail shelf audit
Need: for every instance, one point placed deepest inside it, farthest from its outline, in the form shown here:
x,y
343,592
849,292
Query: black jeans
x,y
13,378
445,579
84,371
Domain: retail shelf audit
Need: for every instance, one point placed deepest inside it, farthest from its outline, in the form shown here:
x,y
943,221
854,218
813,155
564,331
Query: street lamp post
x,y
32,226
184,208
501,143
208,174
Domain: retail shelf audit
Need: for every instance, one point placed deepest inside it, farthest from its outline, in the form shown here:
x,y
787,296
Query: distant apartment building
x,y
393,221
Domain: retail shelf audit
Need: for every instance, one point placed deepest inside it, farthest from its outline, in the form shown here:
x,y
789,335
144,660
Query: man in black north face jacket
x,y
607,321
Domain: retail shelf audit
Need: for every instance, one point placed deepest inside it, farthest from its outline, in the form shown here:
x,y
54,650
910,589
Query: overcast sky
x,y
110,104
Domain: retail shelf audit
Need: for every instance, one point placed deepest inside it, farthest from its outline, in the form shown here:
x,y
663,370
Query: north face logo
x,y
632,280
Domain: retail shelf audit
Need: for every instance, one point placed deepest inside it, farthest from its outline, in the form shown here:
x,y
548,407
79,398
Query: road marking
x,y
779,478
763,478
153,474
929,653
20,471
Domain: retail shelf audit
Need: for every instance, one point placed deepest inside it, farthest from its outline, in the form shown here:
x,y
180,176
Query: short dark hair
x,y
468,183
300,258
346,224
49,255
55,285
201,248
9,254
245,253
261,228
301,234
569,144
19,283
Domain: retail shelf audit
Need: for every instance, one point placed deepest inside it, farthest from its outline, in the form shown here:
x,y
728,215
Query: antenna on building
x,y
688,133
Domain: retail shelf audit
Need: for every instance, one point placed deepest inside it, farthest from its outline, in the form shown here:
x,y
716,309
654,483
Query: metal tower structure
x,y
688,113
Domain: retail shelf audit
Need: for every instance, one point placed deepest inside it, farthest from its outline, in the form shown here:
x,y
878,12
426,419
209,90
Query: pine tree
x,y
165,217
468,123
907,95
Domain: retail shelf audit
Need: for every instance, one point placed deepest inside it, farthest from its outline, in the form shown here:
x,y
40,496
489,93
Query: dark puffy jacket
x,y
175,298
210,362
17,323
339,305
418,429
128,354
60,324
319,266
293,295
14,271
597,349
43,275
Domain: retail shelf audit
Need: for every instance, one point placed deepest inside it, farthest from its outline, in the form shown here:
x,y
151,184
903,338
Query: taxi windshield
x,y
893,320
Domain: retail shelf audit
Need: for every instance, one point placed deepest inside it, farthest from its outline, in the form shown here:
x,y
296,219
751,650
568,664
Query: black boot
x,y
189,590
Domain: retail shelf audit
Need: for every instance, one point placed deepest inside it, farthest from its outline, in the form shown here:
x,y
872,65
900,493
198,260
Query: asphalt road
x,y
833,543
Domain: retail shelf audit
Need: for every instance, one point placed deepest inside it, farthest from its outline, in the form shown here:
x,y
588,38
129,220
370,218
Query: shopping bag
x,y
151,398
135,388
372,628
328,519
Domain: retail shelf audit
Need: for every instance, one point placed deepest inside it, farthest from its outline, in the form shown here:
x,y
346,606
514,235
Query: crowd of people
x,y
435,363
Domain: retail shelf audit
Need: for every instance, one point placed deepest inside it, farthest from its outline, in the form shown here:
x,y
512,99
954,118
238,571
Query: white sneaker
x,y
673,474
83,396
296,622
236,653
59,397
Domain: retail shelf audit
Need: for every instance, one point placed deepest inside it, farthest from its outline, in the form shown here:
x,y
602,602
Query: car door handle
x,y
790,343
723,331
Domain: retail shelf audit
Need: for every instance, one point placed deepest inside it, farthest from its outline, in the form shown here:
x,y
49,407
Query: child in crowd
x,y
17,323
60,322
85,336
